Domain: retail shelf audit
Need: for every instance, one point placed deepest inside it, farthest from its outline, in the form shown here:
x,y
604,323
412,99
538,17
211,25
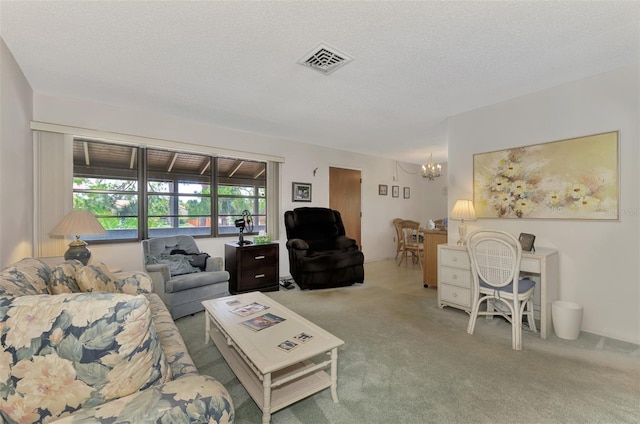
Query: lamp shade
x,y
77,223
464,210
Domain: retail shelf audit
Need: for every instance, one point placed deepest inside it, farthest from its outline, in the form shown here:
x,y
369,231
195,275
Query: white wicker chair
x,y
495,267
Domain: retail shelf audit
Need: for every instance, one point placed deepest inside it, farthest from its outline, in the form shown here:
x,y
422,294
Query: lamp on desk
x,y
75,223
463,209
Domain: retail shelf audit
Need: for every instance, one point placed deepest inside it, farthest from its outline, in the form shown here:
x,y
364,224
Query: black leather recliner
x,y
320,255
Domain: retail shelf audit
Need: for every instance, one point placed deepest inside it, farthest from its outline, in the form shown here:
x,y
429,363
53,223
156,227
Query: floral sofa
x,y
82,345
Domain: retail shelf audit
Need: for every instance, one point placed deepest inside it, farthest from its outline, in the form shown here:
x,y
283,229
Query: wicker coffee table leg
x,y
207,327
266,409
334,374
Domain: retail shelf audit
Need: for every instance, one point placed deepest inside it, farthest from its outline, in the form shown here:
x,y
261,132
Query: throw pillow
x,y
27,276
96,278
134,282
63,278
178,264
79,350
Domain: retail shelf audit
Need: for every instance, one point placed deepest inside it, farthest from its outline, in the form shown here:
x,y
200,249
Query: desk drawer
x,y
455,276
454,258
530,265
258,256
458,295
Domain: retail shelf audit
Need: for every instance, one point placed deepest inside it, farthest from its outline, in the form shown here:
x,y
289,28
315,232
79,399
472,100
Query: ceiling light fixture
x,y
431,171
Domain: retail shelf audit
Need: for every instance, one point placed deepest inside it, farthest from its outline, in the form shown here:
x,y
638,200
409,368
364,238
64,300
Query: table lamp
x,y
463,209
74,223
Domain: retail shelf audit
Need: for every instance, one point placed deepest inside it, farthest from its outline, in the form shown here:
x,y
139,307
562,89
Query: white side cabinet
x,y
454,277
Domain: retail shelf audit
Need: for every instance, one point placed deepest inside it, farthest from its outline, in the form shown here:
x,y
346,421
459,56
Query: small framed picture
x,y
300,192
382,189
407,192
395,191
527,240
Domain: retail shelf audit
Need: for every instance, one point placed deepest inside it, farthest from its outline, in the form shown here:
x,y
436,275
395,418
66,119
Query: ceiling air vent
x,y
325,59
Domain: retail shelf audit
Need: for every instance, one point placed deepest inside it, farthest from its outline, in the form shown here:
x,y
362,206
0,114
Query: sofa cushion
x,y
178,264
27,276
63,277
78,350
96,278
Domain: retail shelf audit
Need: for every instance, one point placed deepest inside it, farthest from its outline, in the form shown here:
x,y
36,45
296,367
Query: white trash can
x,y
567,319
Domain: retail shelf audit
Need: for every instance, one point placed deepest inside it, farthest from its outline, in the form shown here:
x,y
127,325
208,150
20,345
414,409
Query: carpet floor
x,y
405,360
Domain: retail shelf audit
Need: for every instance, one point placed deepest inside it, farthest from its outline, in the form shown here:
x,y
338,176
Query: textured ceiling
x,y
233,64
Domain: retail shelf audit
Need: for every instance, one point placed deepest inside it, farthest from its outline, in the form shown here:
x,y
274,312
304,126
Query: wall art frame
x,y
572,179
406,192
300,192
382,189
395,191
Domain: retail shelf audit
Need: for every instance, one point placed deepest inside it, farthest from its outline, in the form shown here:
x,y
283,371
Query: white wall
x,y
16,158
426,200
599,260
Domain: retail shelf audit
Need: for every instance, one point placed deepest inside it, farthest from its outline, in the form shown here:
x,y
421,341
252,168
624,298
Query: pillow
x,y
63,278
199,260
96,278
178,264
134,282
27,276
79,350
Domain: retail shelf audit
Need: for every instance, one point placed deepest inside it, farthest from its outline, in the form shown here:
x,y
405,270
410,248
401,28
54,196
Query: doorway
x,y
345,187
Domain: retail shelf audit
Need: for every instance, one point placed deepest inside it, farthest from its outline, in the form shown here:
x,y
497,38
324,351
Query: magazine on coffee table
x,y
262,322
249,309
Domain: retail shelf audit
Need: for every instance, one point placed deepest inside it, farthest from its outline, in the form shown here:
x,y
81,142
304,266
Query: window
x,y
240,191
141,192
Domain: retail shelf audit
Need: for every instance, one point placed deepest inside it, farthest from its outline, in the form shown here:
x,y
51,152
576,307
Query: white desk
x,y
454,285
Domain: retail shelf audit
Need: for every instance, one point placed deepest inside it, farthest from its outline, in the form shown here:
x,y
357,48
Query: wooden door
x,y
344,196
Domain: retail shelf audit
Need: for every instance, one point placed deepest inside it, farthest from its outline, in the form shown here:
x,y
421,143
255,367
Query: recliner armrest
x,y
298,244
346,243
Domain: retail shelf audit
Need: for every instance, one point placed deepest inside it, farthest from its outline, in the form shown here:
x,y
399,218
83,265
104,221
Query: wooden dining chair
x,y
413,242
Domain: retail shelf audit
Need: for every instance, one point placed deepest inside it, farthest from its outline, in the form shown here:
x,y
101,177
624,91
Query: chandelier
x,y
429,170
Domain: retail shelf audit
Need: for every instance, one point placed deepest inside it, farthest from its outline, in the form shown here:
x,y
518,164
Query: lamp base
x,y
462,234
78,250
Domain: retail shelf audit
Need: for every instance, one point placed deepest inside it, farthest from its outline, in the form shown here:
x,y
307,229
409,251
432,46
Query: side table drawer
x,y
454,258
455,276
258,256
255,278
458,295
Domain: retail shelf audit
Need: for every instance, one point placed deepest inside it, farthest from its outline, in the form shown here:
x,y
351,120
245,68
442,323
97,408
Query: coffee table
x,y
273,377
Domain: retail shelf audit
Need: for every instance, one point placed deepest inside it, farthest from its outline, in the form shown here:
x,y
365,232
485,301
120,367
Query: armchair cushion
x,y
190,281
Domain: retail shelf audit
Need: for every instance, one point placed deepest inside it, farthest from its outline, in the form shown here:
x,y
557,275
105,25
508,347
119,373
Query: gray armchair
x,y
181,285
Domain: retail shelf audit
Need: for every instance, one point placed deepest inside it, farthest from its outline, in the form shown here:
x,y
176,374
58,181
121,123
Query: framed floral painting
x,y
576,178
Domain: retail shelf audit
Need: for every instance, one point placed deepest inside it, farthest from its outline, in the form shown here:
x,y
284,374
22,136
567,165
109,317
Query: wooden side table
x,y
252,267
432,238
